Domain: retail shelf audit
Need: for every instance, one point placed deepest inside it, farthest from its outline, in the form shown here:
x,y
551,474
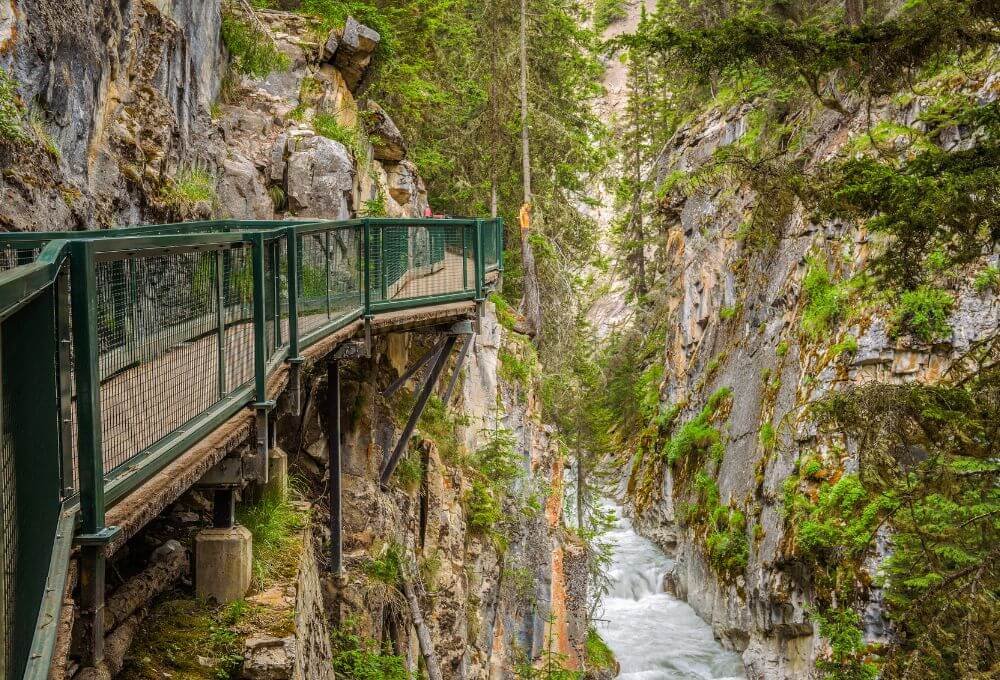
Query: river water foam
x,y
656,636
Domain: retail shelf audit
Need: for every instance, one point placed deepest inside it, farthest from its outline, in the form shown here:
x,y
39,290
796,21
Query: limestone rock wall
x,y
123,99
756,348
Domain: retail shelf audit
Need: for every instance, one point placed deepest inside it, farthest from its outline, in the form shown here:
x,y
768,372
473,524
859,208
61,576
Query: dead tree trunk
x,y
423,632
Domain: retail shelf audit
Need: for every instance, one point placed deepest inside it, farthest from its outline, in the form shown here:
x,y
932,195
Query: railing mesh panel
x,y
421,261
237,288
158,335
12,256
491,254
330,276
8,532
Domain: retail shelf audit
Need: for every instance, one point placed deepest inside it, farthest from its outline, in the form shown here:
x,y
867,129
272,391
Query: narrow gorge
x,y
499,339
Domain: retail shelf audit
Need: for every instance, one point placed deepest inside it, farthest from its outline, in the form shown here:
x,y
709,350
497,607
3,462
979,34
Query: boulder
x,y
387,140
319,177
268,658
241,192
406,187
354,53
331,45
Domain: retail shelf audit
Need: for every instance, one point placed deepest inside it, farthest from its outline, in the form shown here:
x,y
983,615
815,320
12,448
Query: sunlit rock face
x,y
735,320
120,118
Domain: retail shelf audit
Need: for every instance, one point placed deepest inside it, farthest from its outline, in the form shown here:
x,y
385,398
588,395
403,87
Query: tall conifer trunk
x,y
531,306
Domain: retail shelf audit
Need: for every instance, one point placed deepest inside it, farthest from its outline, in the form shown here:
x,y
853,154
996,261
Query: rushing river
x,y
656,636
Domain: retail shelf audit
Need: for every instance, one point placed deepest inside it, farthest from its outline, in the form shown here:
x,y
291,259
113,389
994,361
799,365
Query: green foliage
x,y
842,628
782,349
987,279
387,567
189,188
375,207
722,528
252,50
607,12
648,390
698,435
599,656
276,525
180,633
494,469
360,658
924,311
848,345
518,363
941,507
352,138
824,300
727,313
767,436
11,111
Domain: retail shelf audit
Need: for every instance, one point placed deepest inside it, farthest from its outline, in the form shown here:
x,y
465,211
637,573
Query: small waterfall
x,y
656,636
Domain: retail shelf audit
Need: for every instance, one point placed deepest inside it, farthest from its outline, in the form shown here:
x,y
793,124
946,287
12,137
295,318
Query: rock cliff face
x,y
120,104
735,322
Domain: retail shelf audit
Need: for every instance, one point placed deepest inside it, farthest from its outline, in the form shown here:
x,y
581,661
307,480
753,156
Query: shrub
x,y
11,112
849,345
824,299
599,655
698,435
252,50
328,126
189,188
360,658
924,311
607,12
987,279
276,527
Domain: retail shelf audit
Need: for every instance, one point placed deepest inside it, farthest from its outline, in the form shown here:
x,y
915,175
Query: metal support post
x,y
390,465
336,518
224,508
412,370
458,367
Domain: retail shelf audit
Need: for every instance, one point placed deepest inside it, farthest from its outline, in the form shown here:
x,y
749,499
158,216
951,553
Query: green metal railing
x,y
120,349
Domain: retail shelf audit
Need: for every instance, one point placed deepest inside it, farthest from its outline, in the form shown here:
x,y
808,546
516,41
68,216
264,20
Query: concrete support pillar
x,y
277,474
223,563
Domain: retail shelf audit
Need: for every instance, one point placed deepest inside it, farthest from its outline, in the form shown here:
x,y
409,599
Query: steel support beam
x,y
469,339
418,409
336,511
411,371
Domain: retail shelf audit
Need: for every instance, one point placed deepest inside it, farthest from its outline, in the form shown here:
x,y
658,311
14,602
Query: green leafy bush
x,y
924,311
698,435
987,279
599,655
276,525
189,188
252,50
328,126
607,12
824,299
360,658
11,112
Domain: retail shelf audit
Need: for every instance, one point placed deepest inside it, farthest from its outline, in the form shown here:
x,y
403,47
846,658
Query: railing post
x,y
465,257
294,359
261,405
94,535
384,285
65,376
220,319
366,263
480,268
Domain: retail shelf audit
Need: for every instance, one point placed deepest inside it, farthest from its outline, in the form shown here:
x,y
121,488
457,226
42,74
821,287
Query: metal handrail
x,y
442,261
